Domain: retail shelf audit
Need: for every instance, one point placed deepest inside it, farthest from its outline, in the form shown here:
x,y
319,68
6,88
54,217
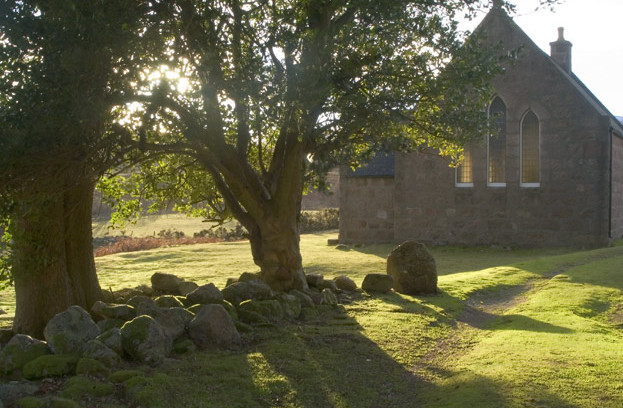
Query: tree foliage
x,y
260,97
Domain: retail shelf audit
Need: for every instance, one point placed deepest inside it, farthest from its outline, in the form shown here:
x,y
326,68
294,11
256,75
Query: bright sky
x,y
595,28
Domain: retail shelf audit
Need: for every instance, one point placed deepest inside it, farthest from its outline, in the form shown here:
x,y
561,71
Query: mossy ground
x,y
518,328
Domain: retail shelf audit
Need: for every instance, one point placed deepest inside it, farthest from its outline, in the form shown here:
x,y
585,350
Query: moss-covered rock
x,y
51,365
124,375
268,310
107,324
79,387
68,332
46,402
112,339
145,340
327,297
89,366
97,350
291,305
213,326
20,350
183,345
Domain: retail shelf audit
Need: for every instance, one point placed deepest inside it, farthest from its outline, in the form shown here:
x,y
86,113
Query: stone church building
x,y
552,177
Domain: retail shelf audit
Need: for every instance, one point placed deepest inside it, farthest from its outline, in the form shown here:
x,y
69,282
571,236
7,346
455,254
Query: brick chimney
x,y
561,51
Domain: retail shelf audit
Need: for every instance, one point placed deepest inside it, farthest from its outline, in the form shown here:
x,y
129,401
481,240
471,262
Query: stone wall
x,y
368,215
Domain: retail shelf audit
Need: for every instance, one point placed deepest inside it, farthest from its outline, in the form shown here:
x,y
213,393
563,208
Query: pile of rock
x,y
182,317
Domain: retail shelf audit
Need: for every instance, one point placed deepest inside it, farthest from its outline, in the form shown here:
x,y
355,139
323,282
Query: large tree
x,y
261,94
62,64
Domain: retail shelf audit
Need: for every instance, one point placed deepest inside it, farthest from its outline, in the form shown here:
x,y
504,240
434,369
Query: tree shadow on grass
x,y
326,362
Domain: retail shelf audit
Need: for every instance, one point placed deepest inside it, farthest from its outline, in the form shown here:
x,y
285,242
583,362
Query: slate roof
x,y
620,119
382,165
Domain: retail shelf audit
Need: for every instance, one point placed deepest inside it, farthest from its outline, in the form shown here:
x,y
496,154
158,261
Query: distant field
x,y
151,225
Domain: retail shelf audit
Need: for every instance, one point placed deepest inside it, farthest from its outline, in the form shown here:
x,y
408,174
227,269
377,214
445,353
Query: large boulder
x,y
68,332
205,294
144,339
377,282
213,326
20,350
413,268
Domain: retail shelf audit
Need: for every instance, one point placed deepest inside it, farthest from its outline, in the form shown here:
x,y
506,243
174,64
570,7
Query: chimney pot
x,y
561,51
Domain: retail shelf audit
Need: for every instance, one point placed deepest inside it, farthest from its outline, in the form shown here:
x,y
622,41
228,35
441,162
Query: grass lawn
x,y
519,328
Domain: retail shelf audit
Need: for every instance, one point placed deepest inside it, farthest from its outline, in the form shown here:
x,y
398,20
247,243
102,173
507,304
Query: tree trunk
x,y
53,263
277,252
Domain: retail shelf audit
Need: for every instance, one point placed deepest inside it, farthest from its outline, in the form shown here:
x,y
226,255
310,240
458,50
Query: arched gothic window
x,y
496,145
530,150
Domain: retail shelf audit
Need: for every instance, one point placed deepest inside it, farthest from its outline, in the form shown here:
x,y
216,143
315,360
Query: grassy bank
x,y
520,328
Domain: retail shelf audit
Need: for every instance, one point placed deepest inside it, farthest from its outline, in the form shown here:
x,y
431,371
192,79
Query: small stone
x,y
291,305
328,284
137,300
377,282
236,292
342,247
327,297
97,350
259,290
186,287
112,339
14,390
168,301
248,276
205,294
345,283
3,312
314,279
166,283
20,350
6,335
121,312
107,324
306,300
69,331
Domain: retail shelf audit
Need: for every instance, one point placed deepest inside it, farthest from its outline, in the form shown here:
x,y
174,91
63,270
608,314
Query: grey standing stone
x,y
413,268
68,332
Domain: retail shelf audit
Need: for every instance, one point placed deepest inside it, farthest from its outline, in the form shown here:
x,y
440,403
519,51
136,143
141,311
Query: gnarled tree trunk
x,y
53,255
